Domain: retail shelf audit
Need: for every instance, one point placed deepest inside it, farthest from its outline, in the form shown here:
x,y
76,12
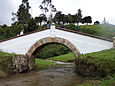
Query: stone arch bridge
x,y
27,44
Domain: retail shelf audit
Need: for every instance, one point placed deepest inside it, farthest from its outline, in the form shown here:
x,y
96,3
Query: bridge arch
x,y
48,40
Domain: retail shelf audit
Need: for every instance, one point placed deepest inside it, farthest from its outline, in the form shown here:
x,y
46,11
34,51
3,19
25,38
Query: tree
x,y
32,26
87,20
96,22
69,17
40,19
78,16
47,6
14,17
23,15
59,17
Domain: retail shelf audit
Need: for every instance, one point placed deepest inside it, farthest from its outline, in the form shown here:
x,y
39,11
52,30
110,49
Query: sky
x,y
97,9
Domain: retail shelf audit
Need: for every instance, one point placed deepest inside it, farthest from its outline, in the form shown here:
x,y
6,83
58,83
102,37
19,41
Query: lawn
x,y
42,63
5,63
64,58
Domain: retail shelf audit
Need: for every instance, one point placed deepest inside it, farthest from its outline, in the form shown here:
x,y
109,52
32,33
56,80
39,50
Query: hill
x,y
102,30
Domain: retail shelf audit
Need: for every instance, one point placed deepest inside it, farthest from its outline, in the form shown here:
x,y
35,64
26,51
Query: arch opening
x,y
49,50
49,40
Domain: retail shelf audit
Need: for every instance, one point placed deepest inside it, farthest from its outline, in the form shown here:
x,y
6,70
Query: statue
x,y
52,30
22,32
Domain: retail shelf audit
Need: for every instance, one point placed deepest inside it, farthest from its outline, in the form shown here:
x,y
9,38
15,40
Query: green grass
x,y
43,63
104,59
6,54
105,54
101,82
64,58
102,30
5,63
106,31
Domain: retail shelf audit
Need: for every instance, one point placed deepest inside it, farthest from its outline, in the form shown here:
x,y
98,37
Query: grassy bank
x,y
5,63
64,58
103,60
41,63
102,30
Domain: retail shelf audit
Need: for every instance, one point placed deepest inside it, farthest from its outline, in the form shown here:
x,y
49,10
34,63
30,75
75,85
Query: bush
x,y
52,50
72,27
6,63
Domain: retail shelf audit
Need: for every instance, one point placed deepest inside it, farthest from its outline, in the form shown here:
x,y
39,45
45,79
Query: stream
x,y
59,76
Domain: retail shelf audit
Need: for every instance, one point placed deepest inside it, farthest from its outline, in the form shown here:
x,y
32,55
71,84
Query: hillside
x,y
102,30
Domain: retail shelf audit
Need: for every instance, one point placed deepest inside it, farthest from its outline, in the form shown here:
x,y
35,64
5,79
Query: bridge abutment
x,y
20,63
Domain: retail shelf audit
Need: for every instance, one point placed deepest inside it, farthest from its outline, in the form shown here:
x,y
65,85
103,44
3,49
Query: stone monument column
x,y
52,30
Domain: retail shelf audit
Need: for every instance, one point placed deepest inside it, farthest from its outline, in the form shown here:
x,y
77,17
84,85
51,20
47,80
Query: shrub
x,y
52,50
6,63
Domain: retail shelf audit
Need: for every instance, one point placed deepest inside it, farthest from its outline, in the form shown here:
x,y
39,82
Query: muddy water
x,y
61,76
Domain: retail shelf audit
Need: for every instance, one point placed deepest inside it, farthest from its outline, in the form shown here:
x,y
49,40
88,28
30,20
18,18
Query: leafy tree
x,y
47,6
23,15
14,17
59,17
87,20
32,25
40,19
96,22
4,26
73,19
68,18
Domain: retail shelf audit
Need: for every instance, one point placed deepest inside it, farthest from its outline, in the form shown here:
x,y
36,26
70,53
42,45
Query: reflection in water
x,y
63,76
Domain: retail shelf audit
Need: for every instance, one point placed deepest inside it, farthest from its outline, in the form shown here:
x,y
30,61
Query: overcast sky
x,y
97,9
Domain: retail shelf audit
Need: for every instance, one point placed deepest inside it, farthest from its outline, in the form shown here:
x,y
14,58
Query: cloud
x,y
5,11
97,9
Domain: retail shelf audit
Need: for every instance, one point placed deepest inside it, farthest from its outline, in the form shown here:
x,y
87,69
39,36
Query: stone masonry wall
x,y
20,63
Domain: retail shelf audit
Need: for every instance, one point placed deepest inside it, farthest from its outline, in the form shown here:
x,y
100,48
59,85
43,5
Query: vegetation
x,y
87,20
99,64
105,60
41,63
46,7
102,30
23,15
64,58
52,50
5,63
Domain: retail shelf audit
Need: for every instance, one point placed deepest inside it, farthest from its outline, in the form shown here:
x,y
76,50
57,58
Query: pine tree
x,y
78,16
